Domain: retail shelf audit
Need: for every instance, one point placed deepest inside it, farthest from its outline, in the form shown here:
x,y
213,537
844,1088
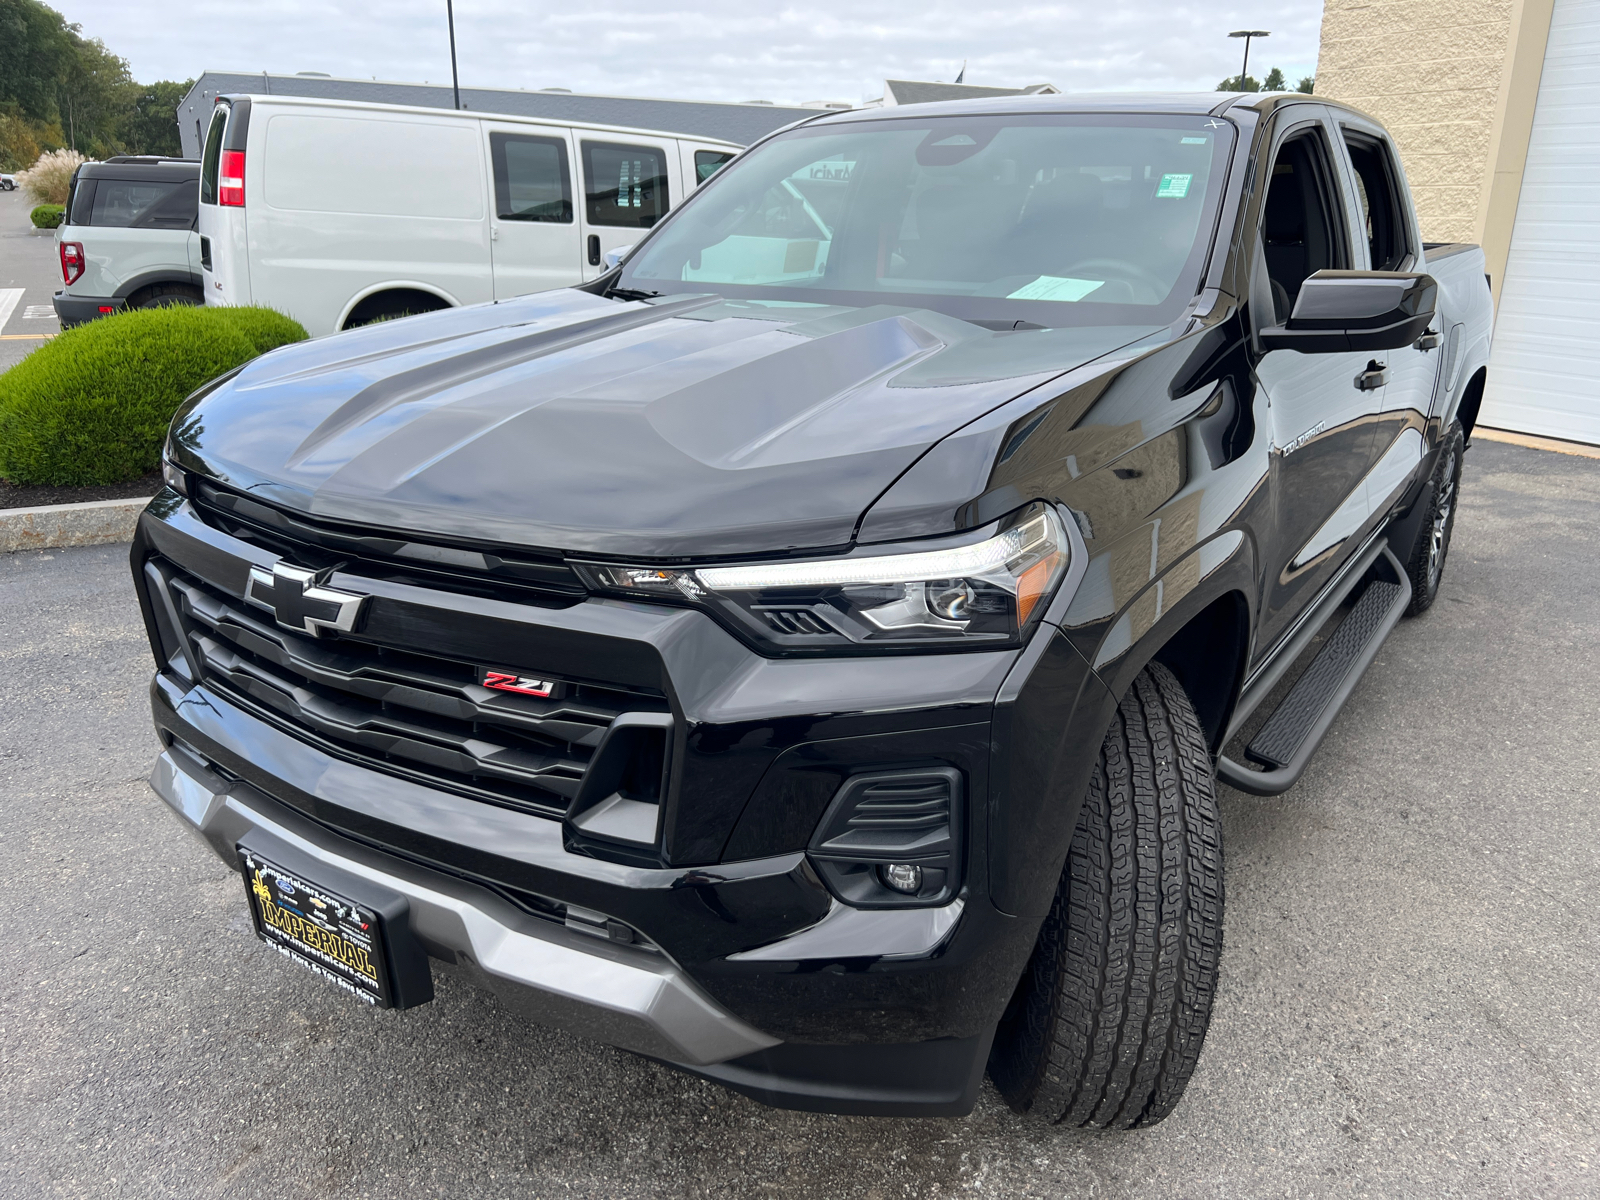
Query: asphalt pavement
x,y
29,266
1408,1004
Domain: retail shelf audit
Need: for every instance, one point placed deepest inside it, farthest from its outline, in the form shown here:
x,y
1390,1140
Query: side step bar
x,y
1296,728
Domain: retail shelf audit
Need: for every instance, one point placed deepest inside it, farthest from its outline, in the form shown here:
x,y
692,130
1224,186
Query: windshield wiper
x,y
629,294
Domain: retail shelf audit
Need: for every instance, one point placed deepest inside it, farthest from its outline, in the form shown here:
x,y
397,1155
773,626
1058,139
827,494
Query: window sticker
x,y
1174,187
1055,287
1199,141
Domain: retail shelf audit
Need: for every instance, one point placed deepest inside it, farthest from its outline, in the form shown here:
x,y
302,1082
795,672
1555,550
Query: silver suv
x,y
129,239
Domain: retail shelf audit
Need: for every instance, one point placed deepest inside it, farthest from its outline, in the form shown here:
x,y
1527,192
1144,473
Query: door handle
x,y
1373,378
594,249
494,233
1429,339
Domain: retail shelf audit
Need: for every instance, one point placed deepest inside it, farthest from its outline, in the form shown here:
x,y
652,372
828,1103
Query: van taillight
x,y
71,262
230,179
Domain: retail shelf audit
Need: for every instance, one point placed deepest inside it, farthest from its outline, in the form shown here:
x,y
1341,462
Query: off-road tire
x,y
164,295
1111,1012
1426,562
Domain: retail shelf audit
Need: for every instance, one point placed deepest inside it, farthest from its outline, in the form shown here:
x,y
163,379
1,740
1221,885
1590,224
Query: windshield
x,y
1055,219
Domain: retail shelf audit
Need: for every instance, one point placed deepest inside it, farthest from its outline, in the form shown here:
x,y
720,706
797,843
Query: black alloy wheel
x,y
1432,547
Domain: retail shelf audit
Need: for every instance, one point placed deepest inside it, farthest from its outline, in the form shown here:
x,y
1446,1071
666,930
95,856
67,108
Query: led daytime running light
x,y
979,558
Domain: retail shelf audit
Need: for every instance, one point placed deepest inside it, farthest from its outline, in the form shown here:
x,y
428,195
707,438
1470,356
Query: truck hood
x,y
687,426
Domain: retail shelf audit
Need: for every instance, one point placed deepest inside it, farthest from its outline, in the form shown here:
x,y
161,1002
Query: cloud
x,y
716,49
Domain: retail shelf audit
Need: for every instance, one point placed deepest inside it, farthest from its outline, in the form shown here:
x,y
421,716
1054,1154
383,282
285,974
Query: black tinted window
x,y
1302,227
143,204
530,178
708,162
624,185
212,155
1380,202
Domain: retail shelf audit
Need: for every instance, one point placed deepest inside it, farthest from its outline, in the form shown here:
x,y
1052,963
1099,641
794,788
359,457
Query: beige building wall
x,y
1455,82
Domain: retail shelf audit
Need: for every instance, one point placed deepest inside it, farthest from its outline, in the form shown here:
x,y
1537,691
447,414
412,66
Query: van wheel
x,y
1108,1019
166,295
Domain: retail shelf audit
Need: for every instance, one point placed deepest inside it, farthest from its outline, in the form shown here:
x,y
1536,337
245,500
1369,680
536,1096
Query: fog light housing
x,y
902,877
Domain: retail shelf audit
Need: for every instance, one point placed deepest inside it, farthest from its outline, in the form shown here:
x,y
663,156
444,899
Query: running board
x,y
1291,735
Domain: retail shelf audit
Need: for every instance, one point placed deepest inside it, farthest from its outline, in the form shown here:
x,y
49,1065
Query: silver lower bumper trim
x,y
626,996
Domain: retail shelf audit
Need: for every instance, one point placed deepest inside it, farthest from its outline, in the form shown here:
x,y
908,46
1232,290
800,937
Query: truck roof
x,y
1188,103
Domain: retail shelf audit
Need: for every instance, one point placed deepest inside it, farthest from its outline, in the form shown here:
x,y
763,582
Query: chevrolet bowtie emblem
x,y
293,595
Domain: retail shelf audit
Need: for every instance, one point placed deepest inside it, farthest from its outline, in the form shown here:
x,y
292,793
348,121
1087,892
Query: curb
x,y
93,523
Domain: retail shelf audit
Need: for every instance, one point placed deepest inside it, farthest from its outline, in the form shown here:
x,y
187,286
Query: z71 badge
x,y
523,685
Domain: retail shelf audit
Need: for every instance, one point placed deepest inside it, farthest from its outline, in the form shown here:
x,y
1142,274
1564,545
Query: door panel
x,y
627,187
1321,421
534,239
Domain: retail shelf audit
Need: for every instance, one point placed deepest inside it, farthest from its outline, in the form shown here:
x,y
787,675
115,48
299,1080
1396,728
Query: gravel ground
x,y
1408,1002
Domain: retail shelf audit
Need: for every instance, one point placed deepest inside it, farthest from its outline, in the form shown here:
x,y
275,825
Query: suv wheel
x,y
1426,564
165,295
1108,1020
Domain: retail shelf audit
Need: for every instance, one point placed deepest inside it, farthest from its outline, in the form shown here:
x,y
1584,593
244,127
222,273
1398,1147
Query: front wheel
x,y
1428,552
1108,1020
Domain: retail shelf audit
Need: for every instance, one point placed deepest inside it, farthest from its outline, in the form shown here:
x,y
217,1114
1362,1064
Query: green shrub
x,y
93,405
48,216
265,328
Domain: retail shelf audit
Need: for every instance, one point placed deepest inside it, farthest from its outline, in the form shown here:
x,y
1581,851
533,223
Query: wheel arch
x,y
149,279
1471,400
396,287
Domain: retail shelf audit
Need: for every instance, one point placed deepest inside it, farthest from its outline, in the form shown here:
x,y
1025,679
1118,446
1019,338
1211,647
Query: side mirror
x,y
1356,310
613,257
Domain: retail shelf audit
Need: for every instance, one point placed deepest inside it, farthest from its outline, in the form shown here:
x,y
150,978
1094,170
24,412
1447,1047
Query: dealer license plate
x,y
338,939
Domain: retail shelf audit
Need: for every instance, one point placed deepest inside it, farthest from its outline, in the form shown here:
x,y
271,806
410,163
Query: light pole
x,y
455,82
1246,34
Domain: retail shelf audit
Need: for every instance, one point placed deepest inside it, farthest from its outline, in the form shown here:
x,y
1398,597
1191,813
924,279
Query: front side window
x,y
1055,219
212,155
142,204
708,162
531,182
1384,225
1302,229
624,185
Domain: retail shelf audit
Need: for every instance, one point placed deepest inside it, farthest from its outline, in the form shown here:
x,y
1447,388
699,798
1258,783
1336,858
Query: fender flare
x,y
159,276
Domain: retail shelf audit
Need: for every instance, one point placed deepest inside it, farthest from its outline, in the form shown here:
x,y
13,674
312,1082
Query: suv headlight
x,y
986,593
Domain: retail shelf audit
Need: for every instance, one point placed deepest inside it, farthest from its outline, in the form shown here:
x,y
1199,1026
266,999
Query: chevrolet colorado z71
x,y
805,654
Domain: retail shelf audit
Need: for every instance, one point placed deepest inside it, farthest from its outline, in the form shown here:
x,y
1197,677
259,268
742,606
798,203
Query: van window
x,y
624,185
143,204
1385,228
372,166
530,178
212,155
708,162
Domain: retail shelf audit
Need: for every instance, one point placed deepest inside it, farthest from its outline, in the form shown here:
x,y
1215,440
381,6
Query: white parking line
x,y
39,312
9,299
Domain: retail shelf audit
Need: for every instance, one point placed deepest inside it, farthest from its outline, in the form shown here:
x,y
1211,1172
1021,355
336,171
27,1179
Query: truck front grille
x,y
400,710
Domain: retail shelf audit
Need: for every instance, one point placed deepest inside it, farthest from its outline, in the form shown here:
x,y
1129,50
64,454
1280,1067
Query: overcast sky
x,y
712,49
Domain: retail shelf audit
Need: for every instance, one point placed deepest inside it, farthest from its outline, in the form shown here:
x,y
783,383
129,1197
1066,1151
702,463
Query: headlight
x,y
984,593
174,476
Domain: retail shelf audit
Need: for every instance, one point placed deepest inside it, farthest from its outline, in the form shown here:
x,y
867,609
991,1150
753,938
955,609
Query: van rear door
x,y
225,264
700,163
629,182
533,222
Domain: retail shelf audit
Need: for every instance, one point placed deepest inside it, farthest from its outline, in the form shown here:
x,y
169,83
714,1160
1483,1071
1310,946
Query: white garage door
x,y
1544,377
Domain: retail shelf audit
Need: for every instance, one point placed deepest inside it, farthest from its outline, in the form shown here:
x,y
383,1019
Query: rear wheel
x,y
167,295
1428,552
1110,1015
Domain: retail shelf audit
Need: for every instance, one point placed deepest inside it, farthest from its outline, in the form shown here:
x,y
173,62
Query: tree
x,y
152,126
1306,84
1274,82
1238,83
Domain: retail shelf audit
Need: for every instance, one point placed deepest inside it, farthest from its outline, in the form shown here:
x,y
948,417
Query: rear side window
x,y
708,162
143,204
624,185
80,201
1379,191
212,155
531,182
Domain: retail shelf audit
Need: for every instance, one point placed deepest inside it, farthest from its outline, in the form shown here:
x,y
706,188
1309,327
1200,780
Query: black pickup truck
x,y
805,655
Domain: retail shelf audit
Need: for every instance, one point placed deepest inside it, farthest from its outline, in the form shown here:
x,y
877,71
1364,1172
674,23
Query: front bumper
x,y
629,996
75,310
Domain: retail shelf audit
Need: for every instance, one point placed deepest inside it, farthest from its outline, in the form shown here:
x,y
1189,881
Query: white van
x,y
341,213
